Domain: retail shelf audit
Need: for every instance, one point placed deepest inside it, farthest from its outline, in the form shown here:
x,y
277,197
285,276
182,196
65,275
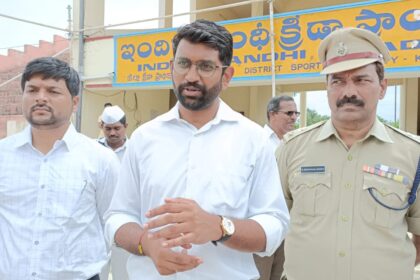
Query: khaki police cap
x,y
350,48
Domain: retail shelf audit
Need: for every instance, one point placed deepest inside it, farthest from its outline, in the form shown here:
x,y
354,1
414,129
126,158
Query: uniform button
x,y
33,273
347,186
45,160
342,254
36,242
39,214
350,157
344,218
42,186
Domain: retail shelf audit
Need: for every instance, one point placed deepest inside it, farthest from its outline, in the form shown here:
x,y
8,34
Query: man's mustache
x,y
350,100
42,107
189,84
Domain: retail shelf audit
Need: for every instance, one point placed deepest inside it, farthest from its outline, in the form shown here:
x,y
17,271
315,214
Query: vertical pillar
x,y
165,8
302,108
409,113
193,7
257,9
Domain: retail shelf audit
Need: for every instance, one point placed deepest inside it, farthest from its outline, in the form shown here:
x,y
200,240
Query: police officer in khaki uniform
x,y
348,181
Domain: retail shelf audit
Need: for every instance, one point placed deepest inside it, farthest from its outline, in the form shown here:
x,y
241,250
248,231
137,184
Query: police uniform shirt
x,y
338,231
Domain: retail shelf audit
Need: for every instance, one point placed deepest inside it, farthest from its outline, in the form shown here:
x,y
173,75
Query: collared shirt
x,y
51,207
338,230
274,139
119,151
226,166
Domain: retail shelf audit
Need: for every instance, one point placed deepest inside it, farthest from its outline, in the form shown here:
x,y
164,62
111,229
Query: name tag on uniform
x,y
312,169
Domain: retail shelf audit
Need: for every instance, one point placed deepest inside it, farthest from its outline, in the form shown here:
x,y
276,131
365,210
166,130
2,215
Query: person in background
x,y
114,125
55,184
349,182
281,115
101,133
199,191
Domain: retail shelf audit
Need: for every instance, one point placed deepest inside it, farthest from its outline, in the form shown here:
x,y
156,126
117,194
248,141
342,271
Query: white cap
x,y
112,114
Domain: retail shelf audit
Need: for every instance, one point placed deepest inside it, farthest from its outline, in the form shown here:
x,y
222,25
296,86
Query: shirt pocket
x,y
311,194
229,190
388,192
65,199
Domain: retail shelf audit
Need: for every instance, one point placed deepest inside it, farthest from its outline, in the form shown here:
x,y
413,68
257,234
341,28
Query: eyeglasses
x,y
290,113
204,68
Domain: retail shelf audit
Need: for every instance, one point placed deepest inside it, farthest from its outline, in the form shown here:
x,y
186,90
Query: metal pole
x,y
80,64
395,104
273,62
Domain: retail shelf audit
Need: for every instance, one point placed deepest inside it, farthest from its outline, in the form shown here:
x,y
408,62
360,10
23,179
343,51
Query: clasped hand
x,y
182,222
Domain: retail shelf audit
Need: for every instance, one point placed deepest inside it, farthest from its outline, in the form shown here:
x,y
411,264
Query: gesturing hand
x,y
183,222
167,261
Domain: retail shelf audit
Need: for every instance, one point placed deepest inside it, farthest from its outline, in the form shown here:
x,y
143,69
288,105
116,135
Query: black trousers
x,y
96,277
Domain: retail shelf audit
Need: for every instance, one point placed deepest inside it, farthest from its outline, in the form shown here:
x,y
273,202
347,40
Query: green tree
x,y
391,123
313,116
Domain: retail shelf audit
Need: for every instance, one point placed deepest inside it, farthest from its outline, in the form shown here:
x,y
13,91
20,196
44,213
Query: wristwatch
x,y
228,229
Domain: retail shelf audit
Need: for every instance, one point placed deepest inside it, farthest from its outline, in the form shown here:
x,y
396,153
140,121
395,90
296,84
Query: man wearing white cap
x,y
350,182
114,126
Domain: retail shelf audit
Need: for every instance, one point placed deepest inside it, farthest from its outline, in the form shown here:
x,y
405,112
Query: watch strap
x,y
224,236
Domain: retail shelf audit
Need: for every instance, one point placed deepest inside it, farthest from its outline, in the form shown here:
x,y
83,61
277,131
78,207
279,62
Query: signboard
x,y
142,59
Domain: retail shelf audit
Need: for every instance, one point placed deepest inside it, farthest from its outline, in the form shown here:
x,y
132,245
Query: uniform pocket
x,y
388,192
311,193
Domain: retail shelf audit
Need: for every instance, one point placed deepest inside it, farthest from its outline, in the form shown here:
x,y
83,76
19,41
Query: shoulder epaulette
x,y
294,133
415,138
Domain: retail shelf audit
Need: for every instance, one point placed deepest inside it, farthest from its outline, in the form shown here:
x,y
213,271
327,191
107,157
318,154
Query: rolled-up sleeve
x,y
125,207
267,205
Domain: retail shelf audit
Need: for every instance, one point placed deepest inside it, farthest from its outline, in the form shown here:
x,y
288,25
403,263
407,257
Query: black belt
x,y
96,277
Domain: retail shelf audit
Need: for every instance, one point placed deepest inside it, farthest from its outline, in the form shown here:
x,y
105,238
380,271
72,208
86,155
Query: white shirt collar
x,y
69,138
224,113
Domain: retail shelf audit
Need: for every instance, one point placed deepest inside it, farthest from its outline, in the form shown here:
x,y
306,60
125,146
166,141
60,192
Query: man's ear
x,y
384,86
227,76
75,100
171,66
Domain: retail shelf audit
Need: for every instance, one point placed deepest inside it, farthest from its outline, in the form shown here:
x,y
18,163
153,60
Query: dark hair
x,y
380,70
108,104
52,68
274,103
208,33
123,120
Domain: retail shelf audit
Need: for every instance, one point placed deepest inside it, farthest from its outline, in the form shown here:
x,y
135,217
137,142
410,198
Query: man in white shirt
x,y
282,116
114,126
55,184
198,191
